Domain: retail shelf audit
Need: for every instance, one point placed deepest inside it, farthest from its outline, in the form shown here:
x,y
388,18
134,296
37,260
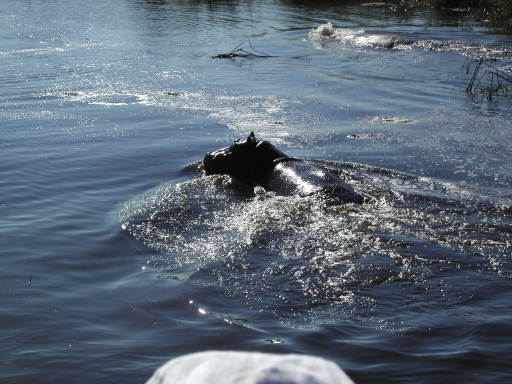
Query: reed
x,y
487,80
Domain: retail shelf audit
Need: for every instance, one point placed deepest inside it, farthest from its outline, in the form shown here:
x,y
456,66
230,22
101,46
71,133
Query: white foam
x,y
327,31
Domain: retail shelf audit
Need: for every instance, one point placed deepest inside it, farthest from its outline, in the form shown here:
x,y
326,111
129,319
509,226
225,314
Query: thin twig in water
x,y
240,52
264,54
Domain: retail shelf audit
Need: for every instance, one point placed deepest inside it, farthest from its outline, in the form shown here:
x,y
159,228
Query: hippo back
x,y
297,177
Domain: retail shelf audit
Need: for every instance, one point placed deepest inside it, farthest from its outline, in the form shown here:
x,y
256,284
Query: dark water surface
x,y
117,255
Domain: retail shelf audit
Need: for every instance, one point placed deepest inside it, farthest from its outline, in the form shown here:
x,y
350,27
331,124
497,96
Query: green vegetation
x,y
498,12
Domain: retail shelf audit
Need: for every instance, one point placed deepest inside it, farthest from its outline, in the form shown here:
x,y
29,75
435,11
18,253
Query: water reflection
x,y
161,16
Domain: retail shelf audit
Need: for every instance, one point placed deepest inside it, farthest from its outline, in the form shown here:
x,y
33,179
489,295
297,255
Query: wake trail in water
x,y
409,232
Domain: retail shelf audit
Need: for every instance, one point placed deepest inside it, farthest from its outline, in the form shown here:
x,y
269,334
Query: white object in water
x,y
215,367
326,29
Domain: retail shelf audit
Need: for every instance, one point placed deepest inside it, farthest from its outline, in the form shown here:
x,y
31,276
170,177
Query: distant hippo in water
x,y
259,163
386,41
348,36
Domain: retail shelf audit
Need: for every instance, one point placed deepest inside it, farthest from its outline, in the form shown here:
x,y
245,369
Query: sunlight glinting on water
x,y
119,253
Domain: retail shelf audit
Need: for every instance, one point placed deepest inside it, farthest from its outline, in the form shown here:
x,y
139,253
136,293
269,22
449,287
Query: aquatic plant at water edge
x,y
487,79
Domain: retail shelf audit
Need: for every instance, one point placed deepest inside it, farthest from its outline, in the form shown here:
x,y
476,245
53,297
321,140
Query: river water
x,y
117,254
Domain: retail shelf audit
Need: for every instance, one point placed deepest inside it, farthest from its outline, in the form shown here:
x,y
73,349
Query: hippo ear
x,y
251,138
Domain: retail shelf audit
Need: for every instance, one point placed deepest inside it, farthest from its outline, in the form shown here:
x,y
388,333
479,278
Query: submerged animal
x,y
384,40
259,163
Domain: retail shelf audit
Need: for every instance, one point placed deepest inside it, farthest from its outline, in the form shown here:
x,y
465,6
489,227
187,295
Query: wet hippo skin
x,y
259,163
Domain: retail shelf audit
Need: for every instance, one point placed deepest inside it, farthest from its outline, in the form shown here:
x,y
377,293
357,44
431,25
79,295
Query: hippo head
x,y
244,159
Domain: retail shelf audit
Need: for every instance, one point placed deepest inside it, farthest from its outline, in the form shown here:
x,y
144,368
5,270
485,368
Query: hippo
x,y
383,40
259,163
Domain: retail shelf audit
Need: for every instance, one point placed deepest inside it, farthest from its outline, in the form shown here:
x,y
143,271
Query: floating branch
x,y
175,94
238,51
487,79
